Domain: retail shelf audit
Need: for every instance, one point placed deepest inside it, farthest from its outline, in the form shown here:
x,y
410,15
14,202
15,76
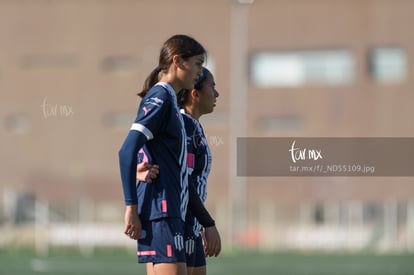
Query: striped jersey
x,y
160,127
198,161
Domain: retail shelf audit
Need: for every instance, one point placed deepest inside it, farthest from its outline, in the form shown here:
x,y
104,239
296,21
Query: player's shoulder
x,y
157,96
189,121
158,91
186,117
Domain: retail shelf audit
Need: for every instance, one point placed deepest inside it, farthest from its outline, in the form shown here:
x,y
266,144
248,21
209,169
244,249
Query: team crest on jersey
x,y
178,241
189,246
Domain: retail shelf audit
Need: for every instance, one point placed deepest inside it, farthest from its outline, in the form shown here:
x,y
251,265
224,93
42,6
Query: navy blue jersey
x,y
195,203
160,127
198,161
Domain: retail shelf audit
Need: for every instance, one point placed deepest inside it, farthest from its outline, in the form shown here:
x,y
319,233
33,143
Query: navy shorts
x,y
194,250
162,241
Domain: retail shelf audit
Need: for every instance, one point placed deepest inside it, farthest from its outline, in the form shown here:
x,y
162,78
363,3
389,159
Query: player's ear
x,y
177,61
194,93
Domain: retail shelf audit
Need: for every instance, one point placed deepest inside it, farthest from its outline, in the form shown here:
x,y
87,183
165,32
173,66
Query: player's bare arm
x,y
147,172
132,222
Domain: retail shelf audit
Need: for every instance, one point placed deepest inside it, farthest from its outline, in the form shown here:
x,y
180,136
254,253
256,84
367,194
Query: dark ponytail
x,y
150,81
180,44
182,97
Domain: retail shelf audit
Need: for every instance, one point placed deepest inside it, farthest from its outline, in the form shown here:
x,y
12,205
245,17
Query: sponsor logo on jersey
x,y
154,101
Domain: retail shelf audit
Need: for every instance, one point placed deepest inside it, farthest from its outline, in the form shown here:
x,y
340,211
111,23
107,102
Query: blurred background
x,y
70,71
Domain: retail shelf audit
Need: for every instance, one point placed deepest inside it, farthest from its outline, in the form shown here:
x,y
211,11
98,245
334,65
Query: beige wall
x,y
55,51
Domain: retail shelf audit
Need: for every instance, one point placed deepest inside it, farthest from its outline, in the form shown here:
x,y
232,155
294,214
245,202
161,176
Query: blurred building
x,y
70,71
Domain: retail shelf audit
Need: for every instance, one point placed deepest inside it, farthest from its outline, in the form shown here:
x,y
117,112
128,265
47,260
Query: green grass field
x,y
116,261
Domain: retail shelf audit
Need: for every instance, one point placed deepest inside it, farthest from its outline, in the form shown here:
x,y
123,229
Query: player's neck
x,y
172,80
192,111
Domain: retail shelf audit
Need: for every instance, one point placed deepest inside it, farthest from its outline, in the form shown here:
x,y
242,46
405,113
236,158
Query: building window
x,y
300,68
17,123
388,65
118,64
48,61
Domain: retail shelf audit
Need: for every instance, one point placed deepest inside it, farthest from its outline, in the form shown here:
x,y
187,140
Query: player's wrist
x,y
132,207
209,224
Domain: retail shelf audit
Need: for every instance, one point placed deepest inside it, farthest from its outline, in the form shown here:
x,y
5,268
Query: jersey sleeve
x,y
150,119
197,208
152,113
128,165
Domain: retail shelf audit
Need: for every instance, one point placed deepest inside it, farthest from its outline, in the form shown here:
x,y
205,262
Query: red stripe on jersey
x,y
169,250
190,160
147,253
164,206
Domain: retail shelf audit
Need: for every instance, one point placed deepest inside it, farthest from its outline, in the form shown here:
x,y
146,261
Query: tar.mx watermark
x,y
325,156
304,153
215,140
56,110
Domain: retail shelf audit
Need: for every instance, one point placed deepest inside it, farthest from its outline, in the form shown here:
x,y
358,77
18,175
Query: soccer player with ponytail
x,y
156,216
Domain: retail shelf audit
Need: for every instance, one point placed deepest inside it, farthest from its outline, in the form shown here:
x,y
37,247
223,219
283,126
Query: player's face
x,y
191,70
208,95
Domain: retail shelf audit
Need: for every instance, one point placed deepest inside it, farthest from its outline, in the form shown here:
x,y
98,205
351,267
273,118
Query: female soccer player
x,y
193,103
158,126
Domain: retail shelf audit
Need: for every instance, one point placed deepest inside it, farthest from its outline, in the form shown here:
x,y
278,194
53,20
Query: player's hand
x,y
203,239
132,222
147,172
212,241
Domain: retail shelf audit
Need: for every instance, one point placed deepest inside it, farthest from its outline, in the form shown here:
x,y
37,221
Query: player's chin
x,y
208,111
